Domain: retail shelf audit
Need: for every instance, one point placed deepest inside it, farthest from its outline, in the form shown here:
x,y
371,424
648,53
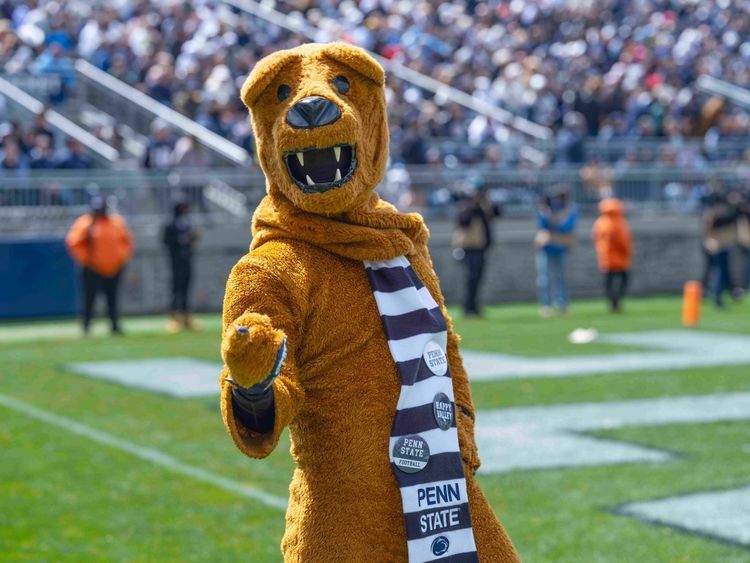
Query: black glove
x,y
253,406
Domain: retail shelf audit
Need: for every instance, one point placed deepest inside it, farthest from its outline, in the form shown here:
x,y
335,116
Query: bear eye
x,y
342,84
284,92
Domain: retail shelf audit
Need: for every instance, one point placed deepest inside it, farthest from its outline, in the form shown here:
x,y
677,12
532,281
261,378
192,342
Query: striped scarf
x,y
424,440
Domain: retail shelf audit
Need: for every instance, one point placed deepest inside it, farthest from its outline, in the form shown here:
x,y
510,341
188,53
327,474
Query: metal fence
x,y
45,200
49,200
645,189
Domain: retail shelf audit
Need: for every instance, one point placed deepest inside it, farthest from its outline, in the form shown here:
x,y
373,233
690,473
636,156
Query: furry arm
x,y
259,313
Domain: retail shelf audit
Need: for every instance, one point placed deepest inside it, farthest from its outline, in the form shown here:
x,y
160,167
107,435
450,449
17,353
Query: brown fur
x,y
304,279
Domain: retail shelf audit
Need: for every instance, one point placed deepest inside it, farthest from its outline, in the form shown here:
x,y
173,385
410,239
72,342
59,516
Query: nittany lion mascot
x,y
334,325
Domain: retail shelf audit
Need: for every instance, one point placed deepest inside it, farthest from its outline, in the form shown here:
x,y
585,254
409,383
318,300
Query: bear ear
x,y
263,74
357,59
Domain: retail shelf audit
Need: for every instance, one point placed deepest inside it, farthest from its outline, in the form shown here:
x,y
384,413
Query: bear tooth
x,y
338,175
337,152
310,181
301,158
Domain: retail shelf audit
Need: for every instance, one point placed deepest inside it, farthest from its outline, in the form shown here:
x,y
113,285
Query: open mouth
x,y
318,170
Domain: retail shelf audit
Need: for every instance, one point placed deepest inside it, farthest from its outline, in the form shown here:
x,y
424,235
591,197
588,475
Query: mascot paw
x,y
250,347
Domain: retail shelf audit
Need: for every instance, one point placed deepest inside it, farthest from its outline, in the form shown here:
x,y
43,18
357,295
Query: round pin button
x,y
411,453
435,358
442,410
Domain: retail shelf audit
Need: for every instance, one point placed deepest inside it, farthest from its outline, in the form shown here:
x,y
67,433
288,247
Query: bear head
x,y
319,118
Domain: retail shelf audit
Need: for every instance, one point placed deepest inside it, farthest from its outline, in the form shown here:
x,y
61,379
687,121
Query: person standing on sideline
x,y
101,243
472,238
614,249
719,237
179,237
556,220
743,236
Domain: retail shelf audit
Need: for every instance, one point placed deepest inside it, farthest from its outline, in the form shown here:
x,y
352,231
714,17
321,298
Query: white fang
x,y
301,158
310,181
338,175
337,152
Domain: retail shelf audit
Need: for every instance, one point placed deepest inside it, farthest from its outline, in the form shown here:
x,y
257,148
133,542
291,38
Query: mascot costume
x,y
334,325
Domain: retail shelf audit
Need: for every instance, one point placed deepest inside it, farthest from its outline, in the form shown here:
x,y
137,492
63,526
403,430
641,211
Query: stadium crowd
x,y
34,147
563,64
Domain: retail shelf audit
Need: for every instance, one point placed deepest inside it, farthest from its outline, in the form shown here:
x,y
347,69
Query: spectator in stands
x,y
159,81
76,157
190,154
557,217
570,139
160,147
622,69
179,236
473,237
101,243
614,250
598,179
42,154
55,61
42,128
11,157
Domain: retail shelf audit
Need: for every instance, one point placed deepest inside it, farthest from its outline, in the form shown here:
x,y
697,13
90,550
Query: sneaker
x,y
188,323
546,312
173,326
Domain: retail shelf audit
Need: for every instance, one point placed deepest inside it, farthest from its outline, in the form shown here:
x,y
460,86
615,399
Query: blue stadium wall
x,y
38,278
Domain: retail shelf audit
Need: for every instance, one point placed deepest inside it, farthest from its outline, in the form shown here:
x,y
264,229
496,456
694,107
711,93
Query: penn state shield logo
x,y
440,546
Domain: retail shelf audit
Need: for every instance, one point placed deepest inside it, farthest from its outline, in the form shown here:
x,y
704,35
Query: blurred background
x,y
522,114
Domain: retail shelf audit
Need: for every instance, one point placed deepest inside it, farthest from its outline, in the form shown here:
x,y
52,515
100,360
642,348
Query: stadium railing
x,y
139,111
25,106
657,190
717,87
48,200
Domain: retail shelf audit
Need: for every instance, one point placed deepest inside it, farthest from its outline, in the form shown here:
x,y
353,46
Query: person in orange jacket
x,y
101,243
614,249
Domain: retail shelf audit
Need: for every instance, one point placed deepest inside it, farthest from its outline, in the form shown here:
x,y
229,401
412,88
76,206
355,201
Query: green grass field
x,y
66,496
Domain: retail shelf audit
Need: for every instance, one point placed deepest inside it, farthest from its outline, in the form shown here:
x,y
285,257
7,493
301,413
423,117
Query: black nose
x,y
313,111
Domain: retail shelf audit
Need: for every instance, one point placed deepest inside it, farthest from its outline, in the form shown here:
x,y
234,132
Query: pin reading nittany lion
x,y
334,325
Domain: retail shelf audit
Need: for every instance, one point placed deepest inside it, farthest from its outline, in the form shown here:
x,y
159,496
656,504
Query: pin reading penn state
x,y
435,358
442,410
411,453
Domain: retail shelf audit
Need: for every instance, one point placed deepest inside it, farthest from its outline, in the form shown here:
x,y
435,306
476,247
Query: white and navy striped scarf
x,y
424,440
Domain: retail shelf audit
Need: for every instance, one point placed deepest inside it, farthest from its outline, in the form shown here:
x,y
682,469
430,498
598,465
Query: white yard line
x,y
660,351
71,329
555,436
147,454
720,514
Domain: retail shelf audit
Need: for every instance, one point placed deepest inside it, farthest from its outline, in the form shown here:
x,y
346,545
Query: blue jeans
x,y
719,279
550,280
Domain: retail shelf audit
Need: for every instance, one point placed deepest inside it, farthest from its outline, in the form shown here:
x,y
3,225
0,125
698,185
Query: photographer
x,y
473,236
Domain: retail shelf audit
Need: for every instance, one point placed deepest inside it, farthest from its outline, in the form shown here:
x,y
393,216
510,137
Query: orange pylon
x,y
691,303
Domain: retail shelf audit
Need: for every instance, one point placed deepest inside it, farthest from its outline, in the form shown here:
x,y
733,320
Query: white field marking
x,y
147,454
675,349
71,330
724,515
185,377
179,377
548,437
